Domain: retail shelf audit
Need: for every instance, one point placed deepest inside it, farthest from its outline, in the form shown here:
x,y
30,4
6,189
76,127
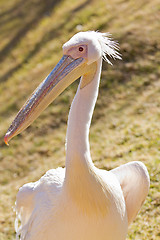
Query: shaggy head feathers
x,y
99,45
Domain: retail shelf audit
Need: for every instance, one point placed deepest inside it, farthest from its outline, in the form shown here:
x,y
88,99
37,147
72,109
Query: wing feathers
x,y
134,181
33,196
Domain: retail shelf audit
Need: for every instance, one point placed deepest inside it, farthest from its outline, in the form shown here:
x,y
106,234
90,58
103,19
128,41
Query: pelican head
x,y
80,54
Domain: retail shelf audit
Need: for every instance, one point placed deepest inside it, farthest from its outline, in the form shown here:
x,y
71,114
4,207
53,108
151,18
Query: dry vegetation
x,y
125,124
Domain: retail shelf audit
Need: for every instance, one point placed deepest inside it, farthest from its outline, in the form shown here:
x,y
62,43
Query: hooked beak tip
x,y
6,140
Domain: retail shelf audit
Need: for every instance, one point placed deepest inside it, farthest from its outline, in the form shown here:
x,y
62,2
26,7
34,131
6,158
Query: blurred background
x,y
126,121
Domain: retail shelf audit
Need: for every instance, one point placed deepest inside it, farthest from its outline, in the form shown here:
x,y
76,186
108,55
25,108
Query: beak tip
x,y
6,140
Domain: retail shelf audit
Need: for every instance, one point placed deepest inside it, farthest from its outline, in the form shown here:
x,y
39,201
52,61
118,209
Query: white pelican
x,y
80,202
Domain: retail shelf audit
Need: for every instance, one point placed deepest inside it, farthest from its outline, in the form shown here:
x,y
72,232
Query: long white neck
x,y
77,146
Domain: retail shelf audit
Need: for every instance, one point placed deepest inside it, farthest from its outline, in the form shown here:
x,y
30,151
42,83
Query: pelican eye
x,y
81,49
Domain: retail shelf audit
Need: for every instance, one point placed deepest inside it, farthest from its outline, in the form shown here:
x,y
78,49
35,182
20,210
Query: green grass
x,y
125,124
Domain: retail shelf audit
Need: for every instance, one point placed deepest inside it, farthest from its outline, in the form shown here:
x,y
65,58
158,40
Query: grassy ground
x,y
125,124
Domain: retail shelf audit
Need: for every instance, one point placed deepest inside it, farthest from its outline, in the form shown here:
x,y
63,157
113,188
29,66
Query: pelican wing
x,y
134,181
34,200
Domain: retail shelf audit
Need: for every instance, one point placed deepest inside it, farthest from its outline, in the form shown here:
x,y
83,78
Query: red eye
x,y
81,49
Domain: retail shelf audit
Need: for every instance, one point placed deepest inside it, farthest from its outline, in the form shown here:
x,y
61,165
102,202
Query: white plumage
x,y
82,202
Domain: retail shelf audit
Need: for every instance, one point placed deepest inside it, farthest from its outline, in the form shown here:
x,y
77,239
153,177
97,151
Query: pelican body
x,y
79,202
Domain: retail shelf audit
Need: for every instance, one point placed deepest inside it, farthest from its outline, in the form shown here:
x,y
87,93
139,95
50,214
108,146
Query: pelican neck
x,y
79,120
